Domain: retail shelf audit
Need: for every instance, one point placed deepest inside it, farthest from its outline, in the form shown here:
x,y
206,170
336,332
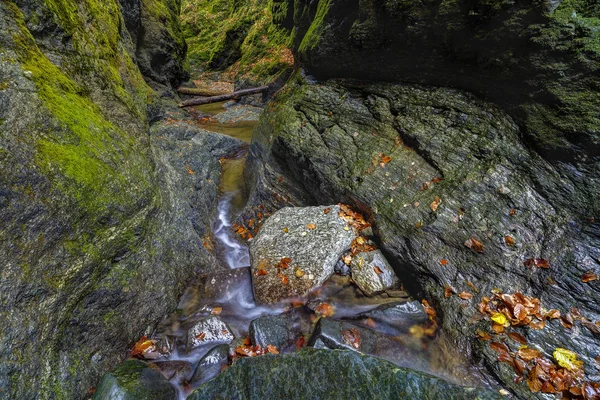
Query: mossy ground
x,y
245,38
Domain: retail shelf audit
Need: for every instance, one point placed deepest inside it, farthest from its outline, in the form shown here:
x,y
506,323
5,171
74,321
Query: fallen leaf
x,y
327,210
520,312
537,262
311,226
474,244
527,354
448,291
499,348
500,319
352,337
483,335
142,347
200,336
552,314
443,261
567,359
325,310
589,276
284,280
285,230
261,272
300,342
377,270
465,295
216,310
498,328
272,349
299,273
435,204
513,212
509,240
517,337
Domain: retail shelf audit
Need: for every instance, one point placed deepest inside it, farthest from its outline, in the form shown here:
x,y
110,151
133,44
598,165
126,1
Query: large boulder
x,y
296,251
458,200
326,374
134,380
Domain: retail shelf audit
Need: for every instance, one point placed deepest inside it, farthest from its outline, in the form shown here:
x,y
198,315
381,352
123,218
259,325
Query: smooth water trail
x,y
235,254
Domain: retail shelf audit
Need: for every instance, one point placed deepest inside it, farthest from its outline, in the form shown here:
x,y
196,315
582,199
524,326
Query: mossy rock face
x,y
102,224
329,374
458,166
134,380
539,60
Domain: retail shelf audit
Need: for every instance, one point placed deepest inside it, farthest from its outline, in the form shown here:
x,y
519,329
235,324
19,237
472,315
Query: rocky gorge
x,y
411,210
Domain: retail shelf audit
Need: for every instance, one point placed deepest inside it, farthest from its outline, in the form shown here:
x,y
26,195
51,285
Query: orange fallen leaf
x,y
509,240
465,295
513,212
200,336
435,204
474,244
325,310
448,291
377,270
537,262
483,335
589,277
517,337
189,170
311,226
327,210
272,349
261,272
216,310
284,280
352,337
443,261
142,347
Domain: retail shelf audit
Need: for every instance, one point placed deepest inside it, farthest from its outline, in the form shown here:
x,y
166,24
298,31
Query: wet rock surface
x,y
312,238
134,380
211,364
210,329
372,273
398,316
351,376
437,168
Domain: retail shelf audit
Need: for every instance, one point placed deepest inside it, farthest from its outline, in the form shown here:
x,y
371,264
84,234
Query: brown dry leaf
x,y
567,321
189,170
286,230
284,280
352,337
443,261
261,272
520,312
535,385
472,286
311,226
216,310
246,351
435,204
595,329
370,322
552,314
483,335
537,325
300,342
325,310
448,291
509,240
327,210
513,212
474,244
498,328
517,337
377,270
537,262
527,354
384,159
499,348
465,295
200,336
347,259
589,277
299,273
142,347
428,309
272,349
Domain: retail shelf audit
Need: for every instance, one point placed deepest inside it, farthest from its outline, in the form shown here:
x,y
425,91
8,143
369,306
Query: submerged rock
x,y
399,316
175,370
372,273
134,380
326,374
312,239
210,329
269,330
211,364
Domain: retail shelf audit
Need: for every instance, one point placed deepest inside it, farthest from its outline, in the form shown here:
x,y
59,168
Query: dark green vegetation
x,y
328,374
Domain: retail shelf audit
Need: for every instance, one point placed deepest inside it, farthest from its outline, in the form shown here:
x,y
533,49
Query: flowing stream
x,y
230,291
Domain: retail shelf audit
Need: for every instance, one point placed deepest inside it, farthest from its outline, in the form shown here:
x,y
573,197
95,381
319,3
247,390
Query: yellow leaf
x,y
567,359
500,319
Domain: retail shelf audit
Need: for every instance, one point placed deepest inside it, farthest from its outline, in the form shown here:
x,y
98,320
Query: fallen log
x,y
200,92
215,99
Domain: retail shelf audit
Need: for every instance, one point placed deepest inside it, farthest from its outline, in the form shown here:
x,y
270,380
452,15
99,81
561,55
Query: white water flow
x,y
235,254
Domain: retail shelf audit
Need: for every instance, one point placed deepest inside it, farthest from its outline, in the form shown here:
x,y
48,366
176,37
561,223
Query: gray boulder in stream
x,y
329,374
372,273
313,238
134,380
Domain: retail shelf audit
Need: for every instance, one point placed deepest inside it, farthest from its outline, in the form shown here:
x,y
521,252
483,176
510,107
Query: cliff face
x,y
486,113
95,241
